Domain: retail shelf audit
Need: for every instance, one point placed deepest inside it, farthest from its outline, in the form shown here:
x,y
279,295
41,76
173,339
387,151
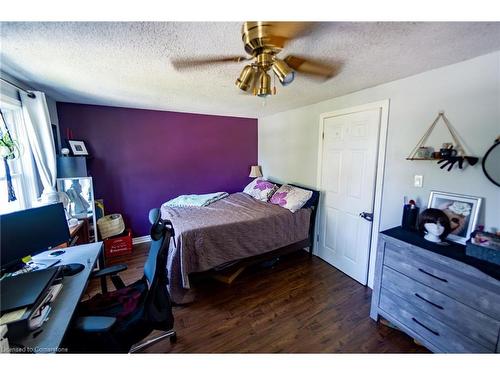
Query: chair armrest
x,y
94,324
113,270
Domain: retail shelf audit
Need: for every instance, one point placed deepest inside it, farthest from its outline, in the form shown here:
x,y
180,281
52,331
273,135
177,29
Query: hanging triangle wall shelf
x,y
447,157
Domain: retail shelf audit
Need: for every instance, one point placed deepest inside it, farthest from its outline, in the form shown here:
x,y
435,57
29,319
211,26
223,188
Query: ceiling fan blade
x,y
180,64
291,30
272,34
312,67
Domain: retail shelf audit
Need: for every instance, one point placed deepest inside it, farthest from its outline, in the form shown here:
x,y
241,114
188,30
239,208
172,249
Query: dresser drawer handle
x,y
429,302
427,328
430,274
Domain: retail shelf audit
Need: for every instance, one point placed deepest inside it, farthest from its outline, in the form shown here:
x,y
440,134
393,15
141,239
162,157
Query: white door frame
x,y
383,105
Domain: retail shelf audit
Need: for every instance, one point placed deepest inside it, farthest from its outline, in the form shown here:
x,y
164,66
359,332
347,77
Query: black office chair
x,y
115,321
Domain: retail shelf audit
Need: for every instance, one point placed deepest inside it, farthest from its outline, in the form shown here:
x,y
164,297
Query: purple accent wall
x,y
142,158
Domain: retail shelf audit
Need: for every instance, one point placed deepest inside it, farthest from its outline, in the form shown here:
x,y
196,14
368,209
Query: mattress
x,y
233,228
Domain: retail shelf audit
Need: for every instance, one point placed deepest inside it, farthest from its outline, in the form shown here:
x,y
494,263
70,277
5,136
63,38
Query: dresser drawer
x,y
458,281
463,319
427,327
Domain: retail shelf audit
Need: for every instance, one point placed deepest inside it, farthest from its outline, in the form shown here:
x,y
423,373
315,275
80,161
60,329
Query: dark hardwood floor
x,y
300,305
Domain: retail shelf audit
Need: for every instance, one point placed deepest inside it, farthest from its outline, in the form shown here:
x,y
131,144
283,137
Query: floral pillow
x,y
291,197
260,189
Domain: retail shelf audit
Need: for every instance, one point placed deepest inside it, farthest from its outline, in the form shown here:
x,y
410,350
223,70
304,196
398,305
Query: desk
x,y
80,232
48,338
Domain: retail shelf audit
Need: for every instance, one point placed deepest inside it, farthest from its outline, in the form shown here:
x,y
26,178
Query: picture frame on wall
x,y
462,210
78,147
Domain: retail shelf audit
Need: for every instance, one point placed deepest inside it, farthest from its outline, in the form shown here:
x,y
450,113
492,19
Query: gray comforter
x,y
230,229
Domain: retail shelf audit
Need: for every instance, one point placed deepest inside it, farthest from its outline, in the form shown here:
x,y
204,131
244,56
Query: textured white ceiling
x,y
129,64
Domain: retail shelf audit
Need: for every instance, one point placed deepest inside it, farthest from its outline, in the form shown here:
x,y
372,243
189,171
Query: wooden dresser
x,y
444,299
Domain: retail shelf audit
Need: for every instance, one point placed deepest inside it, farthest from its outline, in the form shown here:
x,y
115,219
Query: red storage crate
x,y
118,245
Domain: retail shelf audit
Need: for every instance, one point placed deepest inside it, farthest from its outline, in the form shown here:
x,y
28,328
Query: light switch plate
x,y
418,181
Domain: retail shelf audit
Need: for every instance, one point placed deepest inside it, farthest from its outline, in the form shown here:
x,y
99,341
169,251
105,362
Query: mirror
x,y
77,196
491,163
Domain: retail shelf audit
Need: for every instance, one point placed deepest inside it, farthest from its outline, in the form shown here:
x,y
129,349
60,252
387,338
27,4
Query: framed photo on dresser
x,y
462,210
78,147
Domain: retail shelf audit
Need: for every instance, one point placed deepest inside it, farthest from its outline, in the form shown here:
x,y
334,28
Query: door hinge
x,y
323,135
317,238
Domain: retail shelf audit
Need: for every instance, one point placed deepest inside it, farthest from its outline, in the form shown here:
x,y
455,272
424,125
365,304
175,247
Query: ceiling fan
x,y
263,41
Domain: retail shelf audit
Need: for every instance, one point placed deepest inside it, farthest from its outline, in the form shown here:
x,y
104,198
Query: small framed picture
x,y
77,147
462,210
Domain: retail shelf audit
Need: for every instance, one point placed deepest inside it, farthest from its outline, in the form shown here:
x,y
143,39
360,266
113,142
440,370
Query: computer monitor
x,y
30,232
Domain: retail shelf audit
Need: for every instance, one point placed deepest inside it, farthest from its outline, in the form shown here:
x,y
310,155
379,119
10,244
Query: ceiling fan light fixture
x,y
283,71
247,76
264,85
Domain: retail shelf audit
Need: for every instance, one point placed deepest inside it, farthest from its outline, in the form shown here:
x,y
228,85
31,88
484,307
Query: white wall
x,y
468,92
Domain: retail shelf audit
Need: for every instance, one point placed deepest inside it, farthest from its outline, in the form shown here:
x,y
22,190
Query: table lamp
x,y
255,171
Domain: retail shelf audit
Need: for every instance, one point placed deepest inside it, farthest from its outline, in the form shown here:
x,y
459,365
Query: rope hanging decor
x,y
455,154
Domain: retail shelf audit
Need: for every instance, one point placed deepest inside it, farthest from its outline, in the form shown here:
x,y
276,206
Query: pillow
x,y
291,197
260,189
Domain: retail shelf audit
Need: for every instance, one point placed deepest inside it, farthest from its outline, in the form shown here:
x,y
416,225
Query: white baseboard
x,y
137,240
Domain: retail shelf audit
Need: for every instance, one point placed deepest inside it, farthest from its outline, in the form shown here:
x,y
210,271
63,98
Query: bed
x,y
235,228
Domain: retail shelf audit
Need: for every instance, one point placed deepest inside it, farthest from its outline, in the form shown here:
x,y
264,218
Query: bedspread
x,y
195,200
230,229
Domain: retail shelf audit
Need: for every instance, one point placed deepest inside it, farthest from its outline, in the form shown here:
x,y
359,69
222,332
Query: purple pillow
x,y
260,189
291,197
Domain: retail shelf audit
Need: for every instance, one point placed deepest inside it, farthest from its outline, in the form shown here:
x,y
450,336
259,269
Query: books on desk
x,y
42,312
4,342
26,319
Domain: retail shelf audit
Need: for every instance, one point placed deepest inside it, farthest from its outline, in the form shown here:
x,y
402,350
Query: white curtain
x,y
39,129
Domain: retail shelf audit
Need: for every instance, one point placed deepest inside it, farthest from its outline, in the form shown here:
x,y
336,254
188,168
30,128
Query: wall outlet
x,y
418,181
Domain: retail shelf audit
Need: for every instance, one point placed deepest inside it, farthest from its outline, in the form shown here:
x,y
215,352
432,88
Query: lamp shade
x,y
247,76
255,171
265,85
283,71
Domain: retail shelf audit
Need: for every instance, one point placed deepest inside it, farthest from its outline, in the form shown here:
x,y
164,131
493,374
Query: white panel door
x,y
348,174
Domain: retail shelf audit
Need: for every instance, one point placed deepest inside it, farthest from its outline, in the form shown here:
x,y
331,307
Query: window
x,y
22,169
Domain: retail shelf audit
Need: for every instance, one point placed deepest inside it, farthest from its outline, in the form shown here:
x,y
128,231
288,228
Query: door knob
x,y
368,216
